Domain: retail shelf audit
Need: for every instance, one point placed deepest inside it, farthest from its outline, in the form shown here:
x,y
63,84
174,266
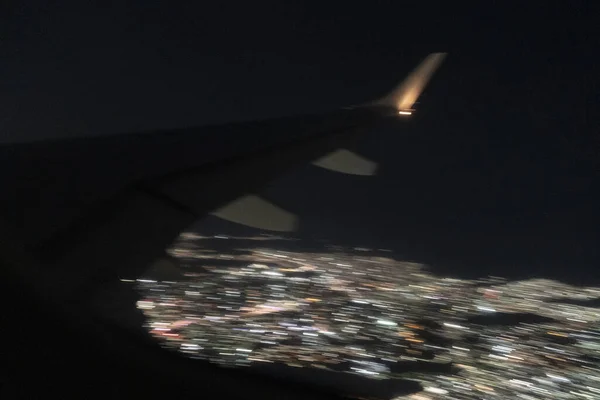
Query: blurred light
x,y
145,305
258,309
435,390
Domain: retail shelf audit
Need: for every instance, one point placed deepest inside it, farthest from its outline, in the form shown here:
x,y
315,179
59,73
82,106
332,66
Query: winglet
x,y
406,93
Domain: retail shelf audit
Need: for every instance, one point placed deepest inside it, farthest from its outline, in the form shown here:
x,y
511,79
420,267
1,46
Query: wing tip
x,y
404,95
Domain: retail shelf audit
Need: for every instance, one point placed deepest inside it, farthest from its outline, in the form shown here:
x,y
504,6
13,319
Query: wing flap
x,y
347,162
253,211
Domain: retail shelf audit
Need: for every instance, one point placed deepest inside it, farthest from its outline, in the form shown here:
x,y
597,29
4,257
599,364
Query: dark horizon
x,y
84,71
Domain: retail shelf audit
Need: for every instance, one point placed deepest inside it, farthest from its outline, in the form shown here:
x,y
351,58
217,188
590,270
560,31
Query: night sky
x,y
497,170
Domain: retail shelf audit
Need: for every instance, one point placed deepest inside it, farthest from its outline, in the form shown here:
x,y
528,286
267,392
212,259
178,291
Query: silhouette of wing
x,y
77,214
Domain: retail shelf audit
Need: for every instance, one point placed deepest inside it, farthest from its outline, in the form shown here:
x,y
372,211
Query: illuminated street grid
x,y
354,311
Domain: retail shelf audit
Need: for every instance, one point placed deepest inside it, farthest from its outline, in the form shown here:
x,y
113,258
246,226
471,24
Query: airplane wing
x,y
76,213
113,204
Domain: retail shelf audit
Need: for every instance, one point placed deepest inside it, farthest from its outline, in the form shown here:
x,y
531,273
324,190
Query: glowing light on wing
x,y
404,96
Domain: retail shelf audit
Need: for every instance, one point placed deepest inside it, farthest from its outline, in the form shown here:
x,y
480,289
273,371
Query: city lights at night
x,y
361,312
